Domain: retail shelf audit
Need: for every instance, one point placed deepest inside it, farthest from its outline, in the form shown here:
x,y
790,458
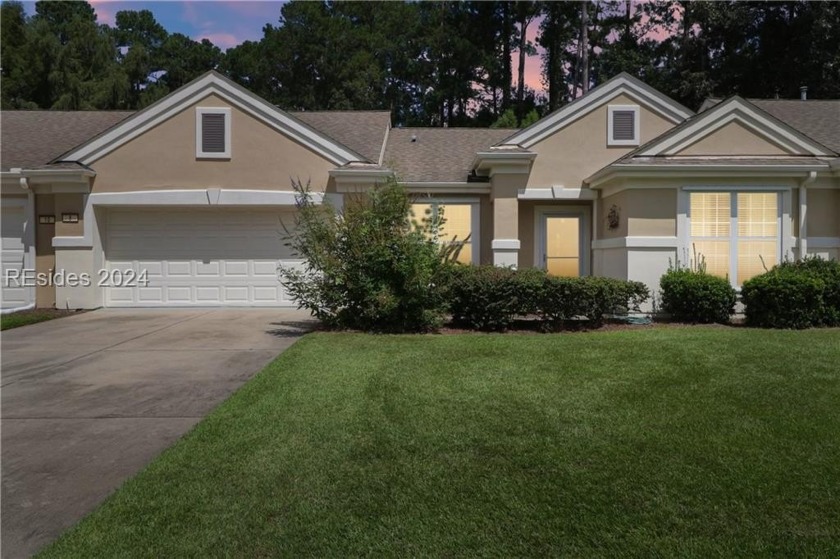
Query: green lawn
x,y
660,442
23,318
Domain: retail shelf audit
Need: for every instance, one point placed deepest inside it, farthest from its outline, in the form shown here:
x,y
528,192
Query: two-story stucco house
x,y
187,195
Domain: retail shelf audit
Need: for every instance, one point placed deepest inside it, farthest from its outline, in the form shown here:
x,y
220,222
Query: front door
x,y
562,238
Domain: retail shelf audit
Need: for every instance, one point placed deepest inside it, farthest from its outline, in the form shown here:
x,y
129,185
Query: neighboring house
x,y
187,196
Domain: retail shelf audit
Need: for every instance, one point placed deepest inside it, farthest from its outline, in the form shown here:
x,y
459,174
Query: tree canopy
x,y
429,63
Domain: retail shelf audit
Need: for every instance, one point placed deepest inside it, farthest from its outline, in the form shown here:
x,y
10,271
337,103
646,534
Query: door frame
x,y
543,212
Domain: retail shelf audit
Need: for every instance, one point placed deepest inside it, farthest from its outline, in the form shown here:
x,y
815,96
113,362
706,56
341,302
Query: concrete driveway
x,y
89,400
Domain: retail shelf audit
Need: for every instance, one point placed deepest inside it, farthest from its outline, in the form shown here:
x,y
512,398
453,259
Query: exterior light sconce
x,y
46,219
614,217
70,218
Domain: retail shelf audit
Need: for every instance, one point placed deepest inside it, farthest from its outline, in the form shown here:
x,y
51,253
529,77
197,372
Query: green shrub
x,y
695,296
490,298
800,294
366,267
483,297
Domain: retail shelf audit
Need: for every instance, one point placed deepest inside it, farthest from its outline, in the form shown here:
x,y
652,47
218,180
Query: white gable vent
x,y
212,133
623,125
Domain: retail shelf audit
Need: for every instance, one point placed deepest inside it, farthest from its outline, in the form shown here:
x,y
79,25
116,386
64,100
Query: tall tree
x,y
526,12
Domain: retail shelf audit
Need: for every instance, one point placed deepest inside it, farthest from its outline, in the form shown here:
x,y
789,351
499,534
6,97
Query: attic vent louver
x,y
624,125
213,133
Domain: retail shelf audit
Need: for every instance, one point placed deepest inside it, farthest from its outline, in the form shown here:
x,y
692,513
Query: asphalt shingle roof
x,y
361,131
438,154
34,138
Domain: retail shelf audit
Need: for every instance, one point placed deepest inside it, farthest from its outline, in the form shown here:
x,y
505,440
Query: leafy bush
x,y
490,298
366,267
800,294
483,297
695,296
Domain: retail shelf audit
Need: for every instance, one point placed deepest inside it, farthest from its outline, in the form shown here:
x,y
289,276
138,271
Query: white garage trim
x,y
194,197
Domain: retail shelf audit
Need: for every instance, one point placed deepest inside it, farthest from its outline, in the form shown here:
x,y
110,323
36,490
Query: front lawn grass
x,y
662,442
24,318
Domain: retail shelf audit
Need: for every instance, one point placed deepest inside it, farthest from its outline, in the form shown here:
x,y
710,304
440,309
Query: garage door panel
x,y
12,255
201,256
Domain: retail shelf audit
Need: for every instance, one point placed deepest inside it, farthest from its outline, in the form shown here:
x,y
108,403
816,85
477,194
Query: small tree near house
x,y
368,266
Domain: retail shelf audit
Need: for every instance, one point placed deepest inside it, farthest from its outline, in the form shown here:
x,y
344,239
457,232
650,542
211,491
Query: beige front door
x,y
561,244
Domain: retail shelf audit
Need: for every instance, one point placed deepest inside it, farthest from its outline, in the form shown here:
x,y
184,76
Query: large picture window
x,y
736,233
459,227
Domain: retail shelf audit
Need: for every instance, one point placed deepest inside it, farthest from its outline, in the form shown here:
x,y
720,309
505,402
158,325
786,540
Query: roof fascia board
x,y
177,101
744,112
658,171
623,83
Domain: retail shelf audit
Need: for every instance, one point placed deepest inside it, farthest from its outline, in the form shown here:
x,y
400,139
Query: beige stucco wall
x,y
733,139
823,212
642,212
72,204
44,252
164,157
573,153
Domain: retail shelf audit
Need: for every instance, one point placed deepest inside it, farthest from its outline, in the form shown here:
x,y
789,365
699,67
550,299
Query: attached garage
x,y
13,259
195,256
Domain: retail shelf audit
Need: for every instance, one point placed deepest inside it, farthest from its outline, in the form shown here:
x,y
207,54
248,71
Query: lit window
x,y
457,225
212,133
735,233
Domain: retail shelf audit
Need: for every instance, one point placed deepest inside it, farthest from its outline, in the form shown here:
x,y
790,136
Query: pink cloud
x,y
103,14
222,40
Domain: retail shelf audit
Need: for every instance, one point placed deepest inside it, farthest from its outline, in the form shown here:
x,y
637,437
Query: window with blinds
x,y
736,234
623,125
212,133
457,226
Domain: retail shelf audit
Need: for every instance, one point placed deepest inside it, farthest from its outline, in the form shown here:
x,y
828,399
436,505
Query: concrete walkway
x,y
89,400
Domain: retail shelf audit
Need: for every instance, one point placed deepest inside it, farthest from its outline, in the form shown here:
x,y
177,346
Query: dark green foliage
x,y
490,298
367,267
697,297
801,294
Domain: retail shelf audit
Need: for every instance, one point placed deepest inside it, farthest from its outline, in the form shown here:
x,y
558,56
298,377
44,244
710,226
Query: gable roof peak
x,y
594,98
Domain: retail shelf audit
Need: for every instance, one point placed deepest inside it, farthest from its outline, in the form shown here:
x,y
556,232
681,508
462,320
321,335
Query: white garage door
x,y
14,295
196,256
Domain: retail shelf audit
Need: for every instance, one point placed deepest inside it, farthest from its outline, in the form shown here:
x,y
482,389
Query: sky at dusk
x,y
227,23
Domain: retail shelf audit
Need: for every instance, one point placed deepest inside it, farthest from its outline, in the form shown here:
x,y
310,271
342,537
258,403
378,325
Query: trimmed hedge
x,y
490,298
797,295
697,297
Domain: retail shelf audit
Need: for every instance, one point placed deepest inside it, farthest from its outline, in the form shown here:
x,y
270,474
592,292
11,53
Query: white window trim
x,y
475,219
199,112
542,212
785,239
636,125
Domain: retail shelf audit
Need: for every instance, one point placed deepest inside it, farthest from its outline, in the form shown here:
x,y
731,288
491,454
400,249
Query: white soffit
x,y
623,84
181,99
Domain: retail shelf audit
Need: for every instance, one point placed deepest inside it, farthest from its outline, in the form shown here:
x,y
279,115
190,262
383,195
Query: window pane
x,y
750,256
562,237
421,213
458,224
568,267
710,214
716,255
757,214
465,256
